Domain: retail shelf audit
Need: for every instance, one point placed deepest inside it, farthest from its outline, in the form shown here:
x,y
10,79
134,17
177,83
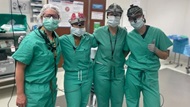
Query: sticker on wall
x,y
96,25
20,6
97,6
97,15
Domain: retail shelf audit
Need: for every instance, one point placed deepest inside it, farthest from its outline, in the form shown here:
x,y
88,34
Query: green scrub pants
x,y
107,90
77,87
138,81
41,95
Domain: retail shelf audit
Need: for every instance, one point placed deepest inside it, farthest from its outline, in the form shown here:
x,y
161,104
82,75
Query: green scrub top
x,y
76,57
141,57
107,54
34,52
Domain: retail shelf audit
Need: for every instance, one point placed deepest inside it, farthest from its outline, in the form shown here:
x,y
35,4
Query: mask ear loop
x,y
144,20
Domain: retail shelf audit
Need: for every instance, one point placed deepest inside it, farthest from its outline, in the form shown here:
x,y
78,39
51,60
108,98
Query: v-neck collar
x,y
145,33
72,40
111,33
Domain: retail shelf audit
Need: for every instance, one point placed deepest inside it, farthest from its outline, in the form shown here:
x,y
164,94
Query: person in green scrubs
x,y
146,44
36,62
77,64
109,60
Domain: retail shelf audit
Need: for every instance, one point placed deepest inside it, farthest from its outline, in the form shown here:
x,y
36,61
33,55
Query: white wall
x,y
186,26
169,15
123,3
4,6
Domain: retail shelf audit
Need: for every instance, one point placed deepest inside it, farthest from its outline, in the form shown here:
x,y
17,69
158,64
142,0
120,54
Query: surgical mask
x,y
113,21
139,23
77,31
50,24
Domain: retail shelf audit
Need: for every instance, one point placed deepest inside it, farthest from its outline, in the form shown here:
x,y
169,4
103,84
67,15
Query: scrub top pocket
x,y
83,54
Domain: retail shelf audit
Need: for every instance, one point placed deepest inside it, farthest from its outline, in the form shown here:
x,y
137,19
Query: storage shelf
x,y
36,5
6,82
7,86
7,66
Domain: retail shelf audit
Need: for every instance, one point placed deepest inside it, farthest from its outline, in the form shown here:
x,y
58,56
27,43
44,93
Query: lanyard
x,y
51,47
112,47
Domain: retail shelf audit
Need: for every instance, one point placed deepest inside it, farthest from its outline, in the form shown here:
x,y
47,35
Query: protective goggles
x,y
114,14
79,23
135,17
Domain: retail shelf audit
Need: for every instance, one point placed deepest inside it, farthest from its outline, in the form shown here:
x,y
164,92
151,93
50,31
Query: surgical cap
x,y
77,17
133,10
114,8
49,6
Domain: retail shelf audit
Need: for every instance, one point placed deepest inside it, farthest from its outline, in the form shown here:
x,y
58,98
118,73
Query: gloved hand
x,y
20,39
152,46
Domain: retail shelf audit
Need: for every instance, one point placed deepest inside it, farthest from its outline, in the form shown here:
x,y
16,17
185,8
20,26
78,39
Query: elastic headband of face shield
x,y
133,10
115,9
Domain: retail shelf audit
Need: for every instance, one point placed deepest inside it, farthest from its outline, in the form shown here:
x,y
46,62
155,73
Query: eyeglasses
x,y
54,16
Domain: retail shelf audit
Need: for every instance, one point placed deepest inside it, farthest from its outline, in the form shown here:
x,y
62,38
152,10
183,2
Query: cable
x,y
15,61
14,45
12,90
145,85
162,100
19,7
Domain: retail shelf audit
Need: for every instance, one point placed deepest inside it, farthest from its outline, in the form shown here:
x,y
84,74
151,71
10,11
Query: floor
x,y
174,87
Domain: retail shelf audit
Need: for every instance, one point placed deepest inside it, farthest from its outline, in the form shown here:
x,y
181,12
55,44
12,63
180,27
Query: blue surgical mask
x,y
77,31
113,21
50,24
139,23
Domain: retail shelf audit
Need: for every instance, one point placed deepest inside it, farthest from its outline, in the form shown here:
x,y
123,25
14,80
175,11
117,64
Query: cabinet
x,y
8,44
36,6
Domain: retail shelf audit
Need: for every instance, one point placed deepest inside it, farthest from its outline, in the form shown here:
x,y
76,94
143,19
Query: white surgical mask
x,y
113,21
77,31
139,23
